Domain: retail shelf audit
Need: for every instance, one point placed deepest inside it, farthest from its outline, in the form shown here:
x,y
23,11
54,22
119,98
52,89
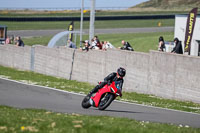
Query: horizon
x,y
68,4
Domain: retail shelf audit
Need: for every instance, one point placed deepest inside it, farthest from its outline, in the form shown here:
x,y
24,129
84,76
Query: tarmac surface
x,y
36,33
20,95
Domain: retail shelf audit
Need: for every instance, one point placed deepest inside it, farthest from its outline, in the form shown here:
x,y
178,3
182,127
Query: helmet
x,y
121,71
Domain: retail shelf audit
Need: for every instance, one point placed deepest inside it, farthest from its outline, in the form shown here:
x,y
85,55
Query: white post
x,y
92,19
81,24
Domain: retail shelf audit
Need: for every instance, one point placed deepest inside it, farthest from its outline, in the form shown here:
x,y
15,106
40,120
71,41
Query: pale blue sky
x,y
66,3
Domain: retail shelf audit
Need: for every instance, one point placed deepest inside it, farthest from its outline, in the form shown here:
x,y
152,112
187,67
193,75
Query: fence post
x,y
32,58
70,76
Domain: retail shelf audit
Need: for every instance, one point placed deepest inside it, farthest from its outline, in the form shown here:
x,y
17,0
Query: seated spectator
x,y
109,45
71,44
126,46
106,45
8,41
161,44
86,46
96,40
19,42
93,45
99,45
178,47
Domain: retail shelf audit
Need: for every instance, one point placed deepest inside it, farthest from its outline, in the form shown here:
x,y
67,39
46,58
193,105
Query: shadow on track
x,y
118,111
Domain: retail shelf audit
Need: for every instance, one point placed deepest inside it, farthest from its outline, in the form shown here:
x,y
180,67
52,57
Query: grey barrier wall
x,y
175,76
16,57
162,74
53,61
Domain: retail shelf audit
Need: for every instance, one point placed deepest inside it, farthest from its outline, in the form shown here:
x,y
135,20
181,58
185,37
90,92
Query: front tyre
x,y
106,101
86,102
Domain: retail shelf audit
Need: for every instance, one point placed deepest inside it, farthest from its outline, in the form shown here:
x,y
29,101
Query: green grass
x,y
84,88
42,40
41,121
98,24
141,42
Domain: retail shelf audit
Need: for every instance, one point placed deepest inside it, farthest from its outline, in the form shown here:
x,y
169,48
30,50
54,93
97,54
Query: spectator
x,y
86,46
99,45
106,45
161,44
126,46
178,48
96,40
109,45
19,41
71,44
8,41
93,45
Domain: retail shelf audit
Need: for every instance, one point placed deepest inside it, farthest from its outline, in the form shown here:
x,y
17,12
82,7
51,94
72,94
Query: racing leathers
x,y
108,80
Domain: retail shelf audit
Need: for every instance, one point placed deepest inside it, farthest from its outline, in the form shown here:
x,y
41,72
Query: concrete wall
x,y
16,57
174,76
163,74
55,62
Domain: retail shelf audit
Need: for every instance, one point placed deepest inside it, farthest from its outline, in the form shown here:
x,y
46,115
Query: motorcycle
x,y
104,97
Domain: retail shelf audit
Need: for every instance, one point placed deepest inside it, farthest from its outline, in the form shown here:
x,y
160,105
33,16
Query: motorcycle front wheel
x,y
106,101
86,102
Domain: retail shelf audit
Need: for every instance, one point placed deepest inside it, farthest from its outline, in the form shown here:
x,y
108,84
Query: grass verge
x,y
39,25
80,87
72,13
41,121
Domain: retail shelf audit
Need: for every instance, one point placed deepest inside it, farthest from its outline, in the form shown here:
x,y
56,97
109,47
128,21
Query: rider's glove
x,y
119,91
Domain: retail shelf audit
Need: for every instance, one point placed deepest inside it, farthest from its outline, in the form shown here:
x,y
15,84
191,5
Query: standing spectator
x,y
178,48
126,46
161,44
71,44
19,41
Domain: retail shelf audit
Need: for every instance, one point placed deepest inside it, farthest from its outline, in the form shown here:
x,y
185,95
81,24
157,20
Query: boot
x,y
94,90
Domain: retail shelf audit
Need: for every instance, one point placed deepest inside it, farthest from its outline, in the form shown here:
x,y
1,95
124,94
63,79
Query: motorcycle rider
x,y
115,76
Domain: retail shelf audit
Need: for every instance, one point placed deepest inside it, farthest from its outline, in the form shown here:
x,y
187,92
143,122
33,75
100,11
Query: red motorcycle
x,y
103,98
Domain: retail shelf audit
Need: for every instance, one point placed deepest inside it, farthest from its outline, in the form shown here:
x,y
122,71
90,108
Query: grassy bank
x,y
41,121
84,88
142,42
98,24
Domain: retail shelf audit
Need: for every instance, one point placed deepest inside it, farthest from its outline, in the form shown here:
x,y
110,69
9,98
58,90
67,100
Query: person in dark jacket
x,y
161,44
178,48
115,76
19,41
126,46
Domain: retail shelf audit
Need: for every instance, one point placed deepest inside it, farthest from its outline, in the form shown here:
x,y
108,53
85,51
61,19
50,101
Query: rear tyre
x,y
106,101
86,102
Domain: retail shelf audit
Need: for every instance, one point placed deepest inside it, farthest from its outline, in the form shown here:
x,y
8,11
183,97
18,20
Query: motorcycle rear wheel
x,y
106,101
86,102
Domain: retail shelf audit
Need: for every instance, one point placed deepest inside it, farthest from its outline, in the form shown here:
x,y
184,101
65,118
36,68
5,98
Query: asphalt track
x,y
20,95
35,33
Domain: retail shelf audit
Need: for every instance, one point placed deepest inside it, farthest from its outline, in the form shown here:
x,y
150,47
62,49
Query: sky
x,y
66,3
